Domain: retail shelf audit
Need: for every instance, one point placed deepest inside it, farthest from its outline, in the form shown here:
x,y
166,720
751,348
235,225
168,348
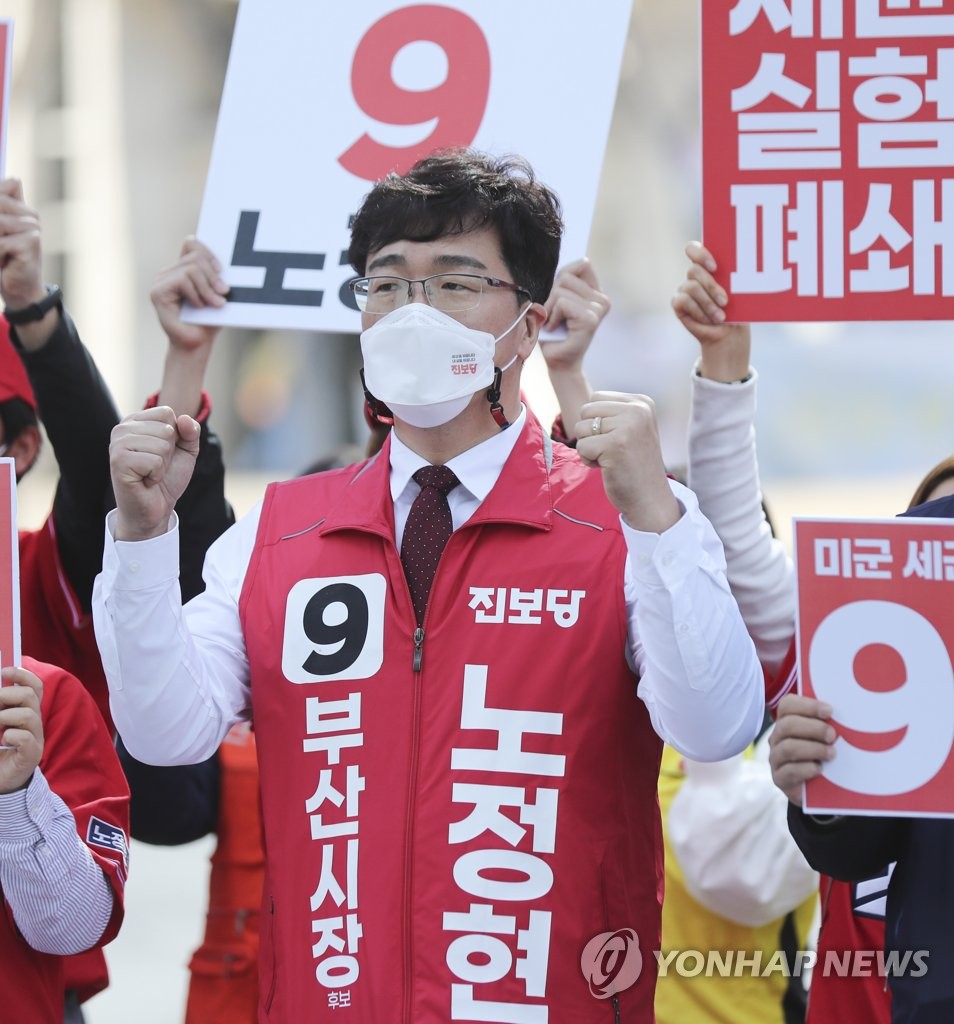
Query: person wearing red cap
x,y
45,370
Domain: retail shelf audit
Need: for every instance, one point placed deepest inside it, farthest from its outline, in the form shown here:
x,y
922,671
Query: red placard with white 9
x,y
321,100
875,636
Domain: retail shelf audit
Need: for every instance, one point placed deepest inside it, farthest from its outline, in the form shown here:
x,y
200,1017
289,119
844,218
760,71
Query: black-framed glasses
x,y
450,293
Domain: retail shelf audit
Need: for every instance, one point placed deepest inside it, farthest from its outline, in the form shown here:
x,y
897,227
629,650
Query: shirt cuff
x,y
664,559
205,405
141,564
26,814
707,382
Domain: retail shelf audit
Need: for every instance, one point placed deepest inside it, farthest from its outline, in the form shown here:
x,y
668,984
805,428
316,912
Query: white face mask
x,y
426,365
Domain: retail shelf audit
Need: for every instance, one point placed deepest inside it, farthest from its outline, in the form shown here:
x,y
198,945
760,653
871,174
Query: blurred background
x,y
113,110
112,114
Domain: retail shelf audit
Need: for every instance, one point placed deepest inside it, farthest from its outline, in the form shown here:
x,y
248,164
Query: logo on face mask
x,y
463,365
426,365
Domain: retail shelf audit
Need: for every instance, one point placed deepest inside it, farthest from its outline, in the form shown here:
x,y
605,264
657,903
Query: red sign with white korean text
x,y
828,157
875,636
9,567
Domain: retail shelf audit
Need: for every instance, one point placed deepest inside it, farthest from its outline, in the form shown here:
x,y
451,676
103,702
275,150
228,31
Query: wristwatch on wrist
x,y
36,310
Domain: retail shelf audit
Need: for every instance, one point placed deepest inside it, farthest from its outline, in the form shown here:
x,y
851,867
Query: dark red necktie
x,y
429,526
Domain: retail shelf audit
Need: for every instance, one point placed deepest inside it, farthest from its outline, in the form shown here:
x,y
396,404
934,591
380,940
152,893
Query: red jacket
x,y
54,627
448,822
852,918
224,984
81,767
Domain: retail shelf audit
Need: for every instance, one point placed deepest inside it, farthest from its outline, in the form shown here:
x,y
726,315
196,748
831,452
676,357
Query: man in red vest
x,y
461,657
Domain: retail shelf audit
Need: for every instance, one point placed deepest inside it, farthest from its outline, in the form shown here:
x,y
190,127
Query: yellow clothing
x,y
688,925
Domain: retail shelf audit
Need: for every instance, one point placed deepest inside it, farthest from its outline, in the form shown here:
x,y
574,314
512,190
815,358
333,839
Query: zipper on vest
x,y
270,924
418,649
408,899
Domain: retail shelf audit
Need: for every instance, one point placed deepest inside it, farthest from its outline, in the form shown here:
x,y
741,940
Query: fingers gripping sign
x,y
800,744
700,300
577,306
151,458
21,271
699,304
194,279
617,433
21,727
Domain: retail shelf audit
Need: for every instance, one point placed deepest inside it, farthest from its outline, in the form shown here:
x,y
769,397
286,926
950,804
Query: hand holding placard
x,y
21,728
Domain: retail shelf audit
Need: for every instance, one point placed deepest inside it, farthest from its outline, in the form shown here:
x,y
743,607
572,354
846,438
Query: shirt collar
x,y
477,468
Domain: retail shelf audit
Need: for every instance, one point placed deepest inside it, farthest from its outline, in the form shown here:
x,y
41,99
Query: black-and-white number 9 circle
x,y
334,629
922,708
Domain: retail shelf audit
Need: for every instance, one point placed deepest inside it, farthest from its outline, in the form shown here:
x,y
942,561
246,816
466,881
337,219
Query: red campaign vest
x,y
81,767
441,844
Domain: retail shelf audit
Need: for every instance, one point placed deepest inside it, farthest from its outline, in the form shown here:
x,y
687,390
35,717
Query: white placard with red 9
x,y
875,636
320,100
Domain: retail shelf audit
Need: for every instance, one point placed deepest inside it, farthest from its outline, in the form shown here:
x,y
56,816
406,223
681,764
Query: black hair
x,y
16,415
459,190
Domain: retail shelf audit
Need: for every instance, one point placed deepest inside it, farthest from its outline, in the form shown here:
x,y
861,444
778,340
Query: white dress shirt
x,y
179,678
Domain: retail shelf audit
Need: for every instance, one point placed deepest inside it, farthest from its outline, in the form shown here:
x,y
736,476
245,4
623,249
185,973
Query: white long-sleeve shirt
x,y
728,825
179,678
724,474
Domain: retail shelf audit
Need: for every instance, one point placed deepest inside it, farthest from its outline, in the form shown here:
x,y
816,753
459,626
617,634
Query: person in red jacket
x,y
59,561
64,828
45,367
46,371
